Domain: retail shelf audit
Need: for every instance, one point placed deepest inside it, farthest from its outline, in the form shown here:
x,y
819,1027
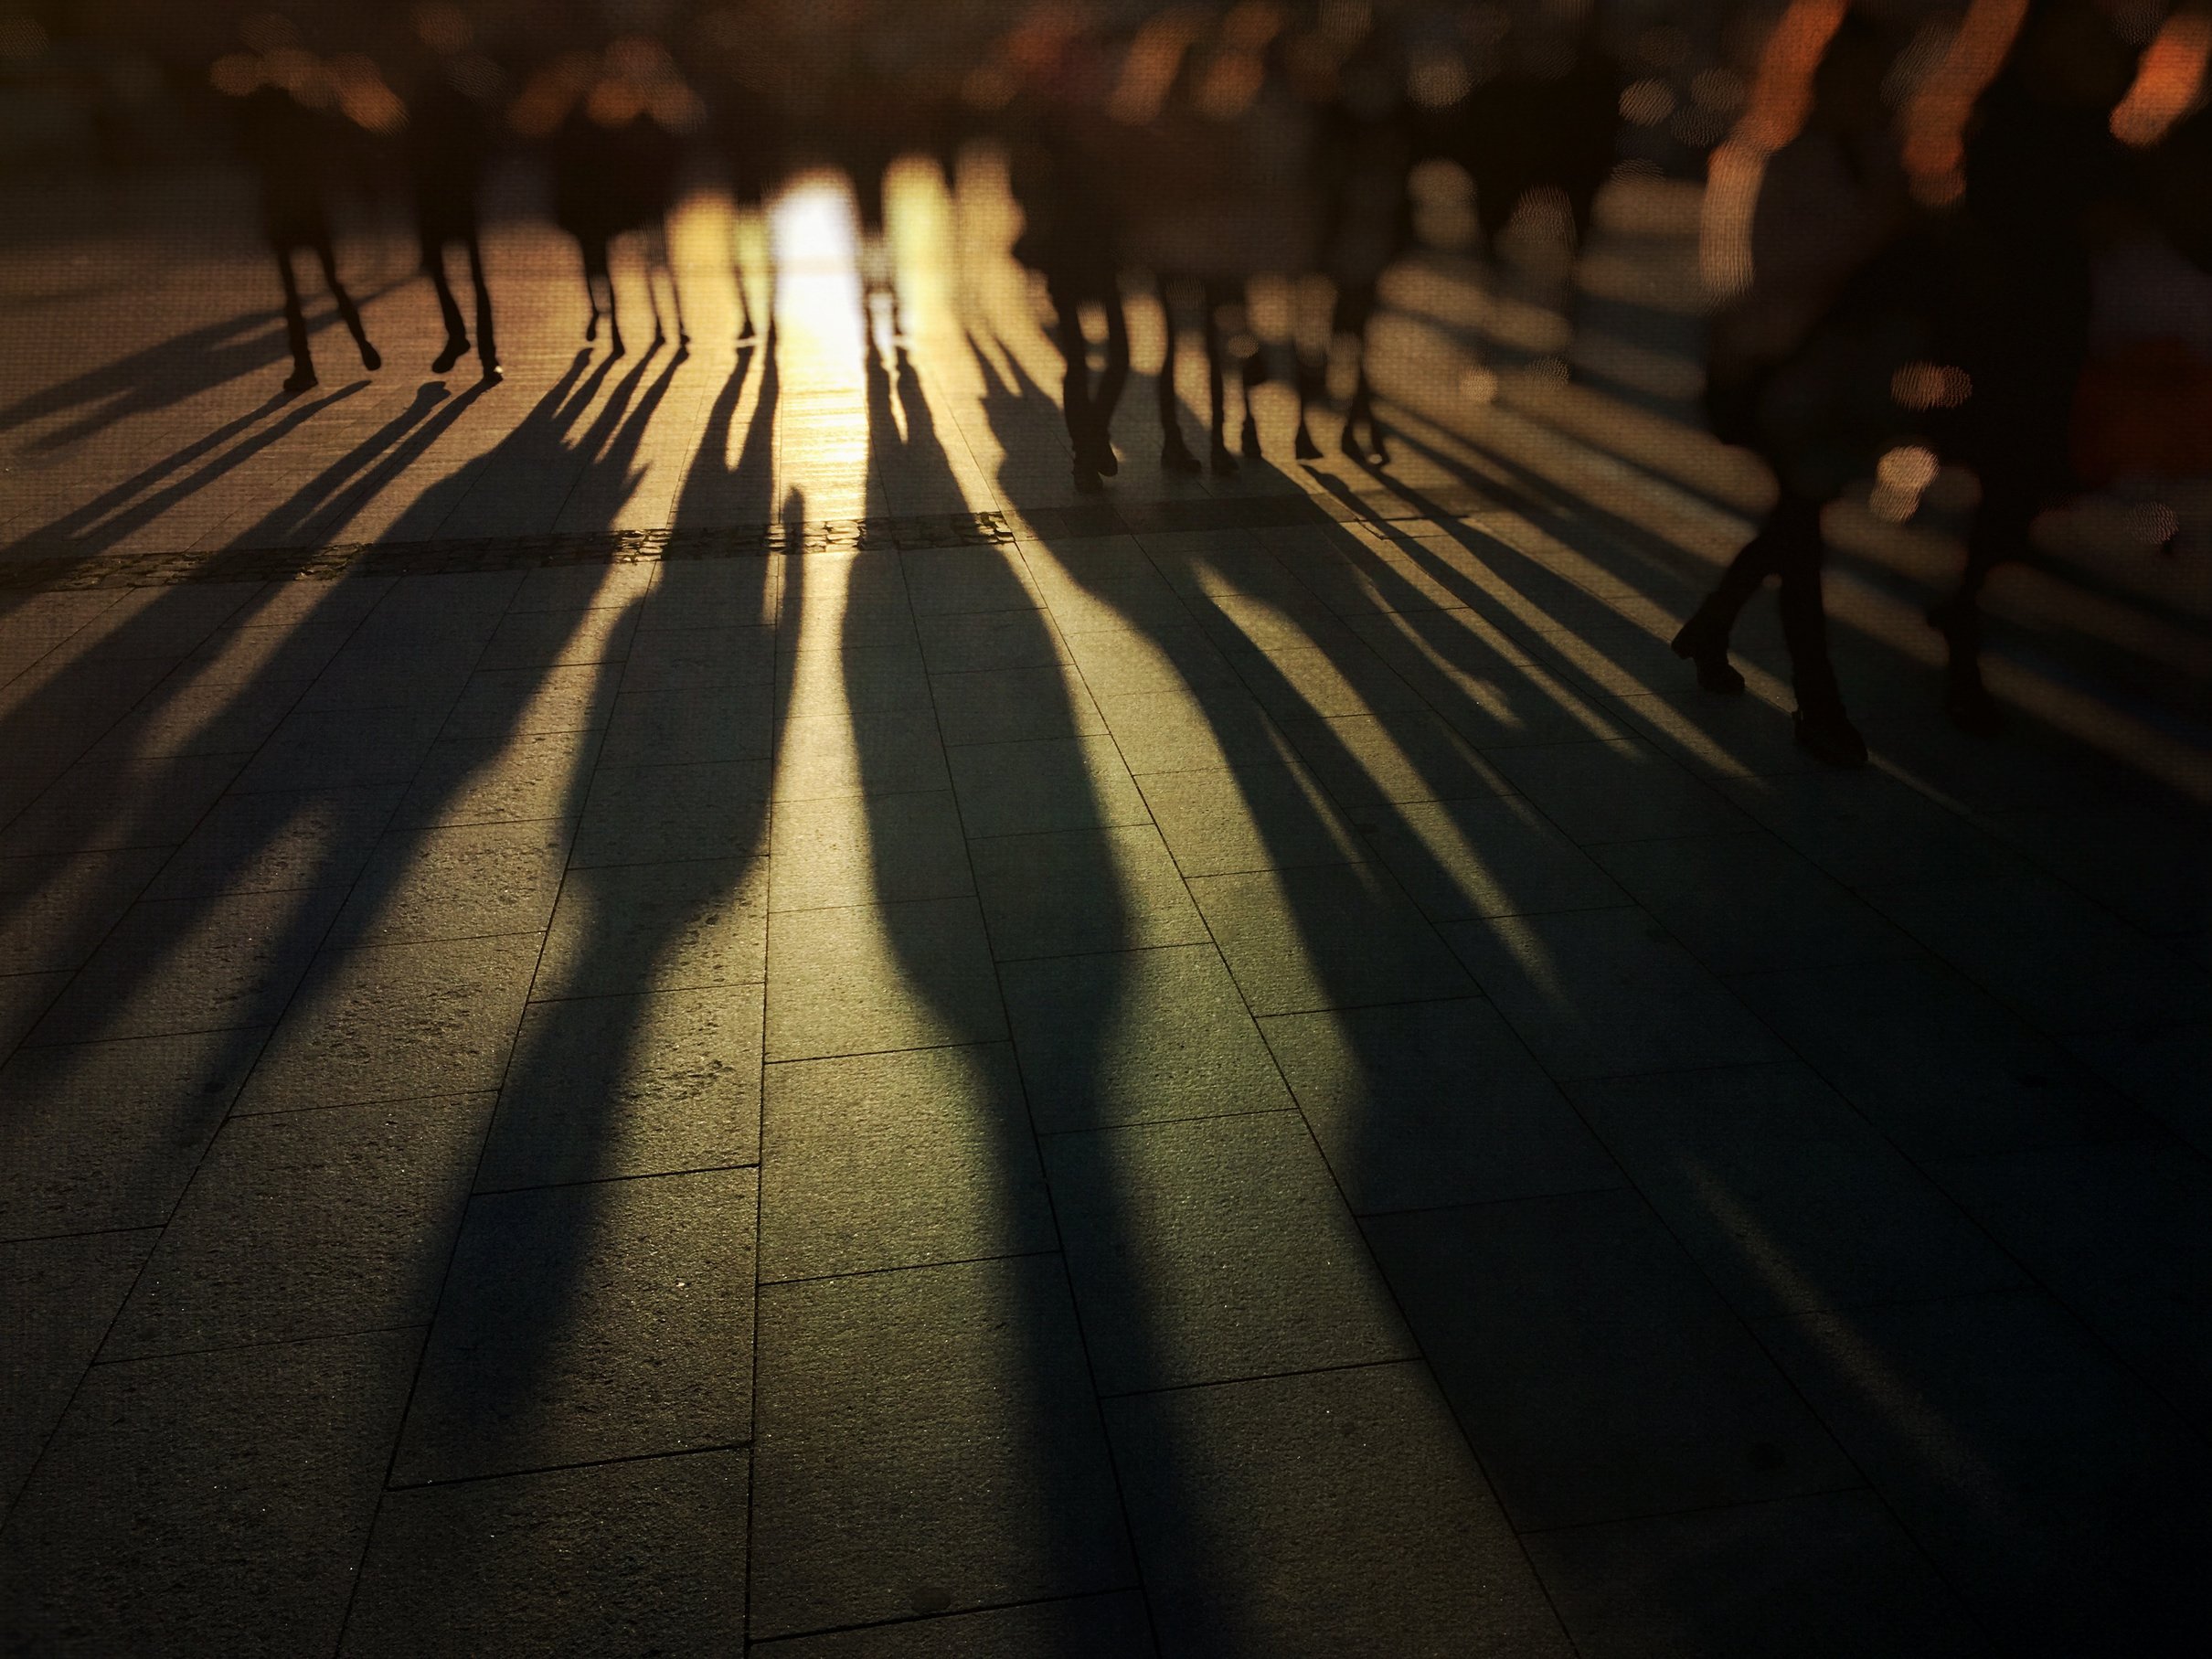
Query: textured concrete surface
x,y
679,1004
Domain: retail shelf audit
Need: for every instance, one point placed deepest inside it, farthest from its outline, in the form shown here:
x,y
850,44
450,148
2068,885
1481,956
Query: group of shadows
x,y
658,857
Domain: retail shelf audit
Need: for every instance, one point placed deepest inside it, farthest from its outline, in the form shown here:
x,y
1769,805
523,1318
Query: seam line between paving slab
x,y
1136,1589
915,1267
622,1176
256,1342
589,1463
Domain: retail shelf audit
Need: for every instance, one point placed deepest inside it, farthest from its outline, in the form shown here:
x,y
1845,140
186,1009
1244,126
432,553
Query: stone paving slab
x,y
681,1004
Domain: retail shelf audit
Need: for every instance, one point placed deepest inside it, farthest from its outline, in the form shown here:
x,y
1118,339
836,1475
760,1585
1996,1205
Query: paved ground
x,y
758,1028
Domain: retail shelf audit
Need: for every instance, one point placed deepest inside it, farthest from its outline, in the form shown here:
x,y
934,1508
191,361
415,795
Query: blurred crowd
x,y
1973,233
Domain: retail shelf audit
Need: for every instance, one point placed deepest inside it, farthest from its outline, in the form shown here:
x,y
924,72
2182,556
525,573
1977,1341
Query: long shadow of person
x,y
626,1125
121,511
153,378
886,1030
320,510
1412,1085
155,717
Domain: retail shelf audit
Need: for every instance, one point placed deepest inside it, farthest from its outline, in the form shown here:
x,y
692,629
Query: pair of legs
x,y
599,279
1356,303
2010,501
1088,406
456,336
1788,545
295,315
1214,297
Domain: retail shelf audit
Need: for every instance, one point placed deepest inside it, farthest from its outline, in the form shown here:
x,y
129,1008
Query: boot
x,y
1706,644
1829,738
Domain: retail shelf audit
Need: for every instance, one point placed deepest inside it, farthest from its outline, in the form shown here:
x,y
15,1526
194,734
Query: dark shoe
x,y
1087,480
1972,709
1698,642
1830,738
445,359
302,379
1176,457
371,358
491,375
1250,439
1303,446
1102,459
1224,464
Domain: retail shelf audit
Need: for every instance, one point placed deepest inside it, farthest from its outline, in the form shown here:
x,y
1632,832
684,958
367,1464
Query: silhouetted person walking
x,y
1830,201
286,146
1068,238
449,147
2040,167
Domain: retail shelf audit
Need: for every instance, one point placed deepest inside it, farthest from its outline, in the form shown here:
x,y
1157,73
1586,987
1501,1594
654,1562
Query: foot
x,y
1088,482
1250,444
1224,464
1303,447
591,329
614,344
302,379
451,354
371,358
1709,654
1972,709
1102,459
1830,738
1348,444
1378,450
1176,457
491,375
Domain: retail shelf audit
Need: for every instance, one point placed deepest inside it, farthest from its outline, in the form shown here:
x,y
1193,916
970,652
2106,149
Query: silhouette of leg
x,y
487,354
1252,374
295,326
1820,723
1107,396
1312,379
1074,386
614,323
346,309
456,335
1175,454
592,267
1217,385
2009,505
1355,308
675,295
1704,639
